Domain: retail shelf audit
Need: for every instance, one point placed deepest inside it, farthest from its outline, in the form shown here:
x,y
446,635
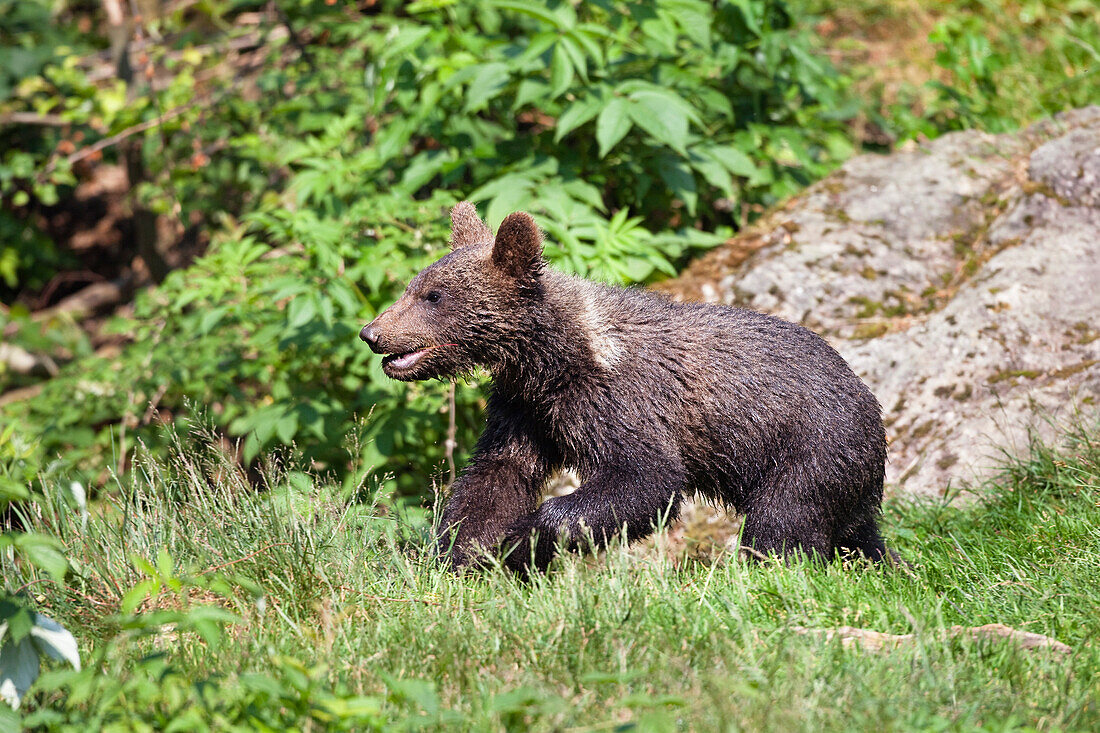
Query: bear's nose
x,y
370,336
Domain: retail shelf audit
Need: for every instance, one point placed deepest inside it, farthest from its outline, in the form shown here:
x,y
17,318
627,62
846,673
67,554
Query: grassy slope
x,y
596,644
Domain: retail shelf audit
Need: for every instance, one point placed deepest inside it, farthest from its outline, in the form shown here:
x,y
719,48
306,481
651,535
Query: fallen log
x,y
876,641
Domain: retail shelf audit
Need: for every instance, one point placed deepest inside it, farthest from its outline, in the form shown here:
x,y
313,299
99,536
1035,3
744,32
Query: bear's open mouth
x,y
409,359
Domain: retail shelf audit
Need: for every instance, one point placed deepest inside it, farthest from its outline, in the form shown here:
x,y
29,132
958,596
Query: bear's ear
x,y
517,249
467,227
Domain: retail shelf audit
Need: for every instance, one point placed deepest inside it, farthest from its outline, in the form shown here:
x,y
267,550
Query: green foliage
x,y
636,134
296,607
996,64
26,636
639,134
989,87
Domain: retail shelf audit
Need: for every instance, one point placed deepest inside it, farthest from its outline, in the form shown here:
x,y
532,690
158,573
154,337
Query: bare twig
x,y
21,361
20,394
754,552
249,556
90,300
61,277
154,403
452,431
877,641
113,9
122,434
120,136
294,39
32,118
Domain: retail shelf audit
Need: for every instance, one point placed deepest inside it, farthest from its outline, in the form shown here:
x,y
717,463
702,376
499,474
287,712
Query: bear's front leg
x,y
502,482
636,495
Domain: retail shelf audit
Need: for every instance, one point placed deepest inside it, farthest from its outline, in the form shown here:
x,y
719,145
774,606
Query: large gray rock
x,y
961,279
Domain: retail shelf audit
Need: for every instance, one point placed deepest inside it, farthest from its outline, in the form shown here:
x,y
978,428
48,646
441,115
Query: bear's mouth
x,y
409,359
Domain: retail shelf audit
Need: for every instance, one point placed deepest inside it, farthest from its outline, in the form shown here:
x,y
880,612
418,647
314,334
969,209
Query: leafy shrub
x,y
637,133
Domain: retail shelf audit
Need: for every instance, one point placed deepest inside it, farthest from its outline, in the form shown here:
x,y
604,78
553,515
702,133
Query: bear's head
x,y
466,309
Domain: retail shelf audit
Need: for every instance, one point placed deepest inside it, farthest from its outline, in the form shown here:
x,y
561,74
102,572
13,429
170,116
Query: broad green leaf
x,y
675,173
586,192
536,46
136,595
714,173
578,113
12,490
576,56
55,640
422,168
530,90
211,318
584,37
420,692
18,620
499,186
561,72
613,124
661,28
286,427
300,311
735,161
43,553
533,10
664,121
18,670
506,202
487,84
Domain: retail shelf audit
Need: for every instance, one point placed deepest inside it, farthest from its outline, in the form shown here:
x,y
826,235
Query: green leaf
x,y
576,56
55,640
735,161
487,83
300,312
286,427
12,490
421,693
16,621
44,553
534,10
561,72
211,318
209,622
664,121
576,115
613,124
675,173
18,670
424,168
506,202
714,173
529,90
136,596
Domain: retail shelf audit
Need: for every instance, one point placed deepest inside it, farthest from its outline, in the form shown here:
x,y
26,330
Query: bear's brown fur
x,y
646,399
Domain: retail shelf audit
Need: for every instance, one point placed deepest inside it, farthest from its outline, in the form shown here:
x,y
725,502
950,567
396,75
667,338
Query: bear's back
x,y
733,390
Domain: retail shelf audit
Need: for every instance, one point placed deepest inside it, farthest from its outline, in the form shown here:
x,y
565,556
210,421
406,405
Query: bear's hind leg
x,y
788,533
865,540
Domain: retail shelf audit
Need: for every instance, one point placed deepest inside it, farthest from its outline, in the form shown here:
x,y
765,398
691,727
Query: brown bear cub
x,y
648,400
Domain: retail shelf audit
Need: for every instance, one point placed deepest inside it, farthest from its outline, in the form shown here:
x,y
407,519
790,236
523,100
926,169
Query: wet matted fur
x,y
648,400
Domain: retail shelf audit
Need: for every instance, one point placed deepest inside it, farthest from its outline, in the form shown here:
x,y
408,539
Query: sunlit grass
x,y
349,598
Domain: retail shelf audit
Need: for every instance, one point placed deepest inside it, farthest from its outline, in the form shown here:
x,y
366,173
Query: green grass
x,y
926,66
344,622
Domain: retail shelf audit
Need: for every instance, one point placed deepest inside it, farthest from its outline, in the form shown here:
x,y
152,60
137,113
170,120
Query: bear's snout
x,y
370,336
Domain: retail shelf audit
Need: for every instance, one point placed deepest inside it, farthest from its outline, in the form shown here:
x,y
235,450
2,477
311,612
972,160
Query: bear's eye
x,y
434,296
